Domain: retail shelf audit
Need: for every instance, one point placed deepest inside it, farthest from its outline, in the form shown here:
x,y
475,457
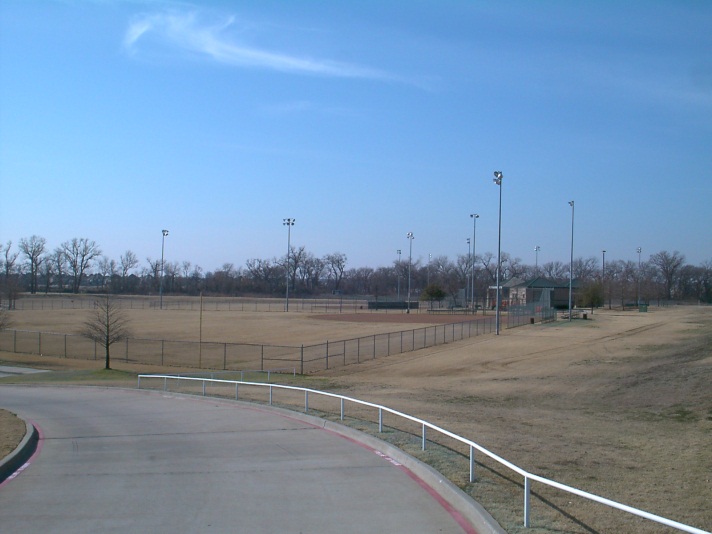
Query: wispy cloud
x,y
189,32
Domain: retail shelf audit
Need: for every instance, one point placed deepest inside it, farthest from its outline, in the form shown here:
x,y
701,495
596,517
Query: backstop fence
x,y
264,357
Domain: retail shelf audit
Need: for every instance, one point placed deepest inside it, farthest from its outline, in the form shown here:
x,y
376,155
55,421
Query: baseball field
x,y
619,405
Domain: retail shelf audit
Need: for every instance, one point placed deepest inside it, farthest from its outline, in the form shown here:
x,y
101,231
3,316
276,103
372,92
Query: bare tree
x,y
154,271
127,261
5,319
10,283
554,270
80,252
33,248
106,325
59,259
336,264
107,269
585,269
668,266
48,271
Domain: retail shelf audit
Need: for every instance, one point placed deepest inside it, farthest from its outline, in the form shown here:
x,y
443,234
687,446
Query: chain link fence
x,y
264,357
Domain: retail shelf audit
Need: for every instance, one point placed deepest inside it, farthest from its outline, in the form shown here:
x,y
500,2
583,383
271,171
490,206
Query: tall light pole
x,y
498,180
288,223
474,256
430,259
603,272
160,290
639,250
603,276
537,248
398,272
410,237
571,262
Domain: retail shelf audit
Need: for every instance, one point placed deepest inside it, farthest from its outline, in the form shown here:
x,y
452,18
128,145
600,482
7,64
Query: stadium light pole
x,y
571,262
410,237
474,239
603,276
639,250
537,248
164,233
289,222
498,180
430,259
398,272
603,272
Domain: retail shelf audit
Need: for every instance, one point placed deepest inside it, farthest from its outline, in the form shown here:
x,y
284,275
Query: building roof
x,y
540,282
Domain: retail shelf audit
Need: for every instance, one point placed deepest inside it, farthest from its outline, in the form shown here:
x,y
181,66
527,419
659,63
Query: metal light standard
x,y
537,248
603,272
603,277
498,180
410,237
430,259
571,263
288,223
639,250
474,236
160,290
398,272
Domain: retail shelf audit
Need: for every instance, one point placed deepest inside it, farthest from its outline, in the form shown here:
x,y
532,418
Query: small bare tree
x,y
106,325
5,319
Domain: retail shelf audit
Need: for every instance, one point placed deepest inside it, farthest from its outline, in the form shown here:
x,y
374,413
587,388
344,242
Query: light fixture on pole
x,y
498,180
537,248
288,223
571,262
474,237
160,290
639,250
398,272
410,237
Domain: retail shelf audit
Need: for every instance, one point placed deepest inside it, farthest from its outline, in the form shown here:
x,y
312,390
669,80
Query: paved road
x,y
128,461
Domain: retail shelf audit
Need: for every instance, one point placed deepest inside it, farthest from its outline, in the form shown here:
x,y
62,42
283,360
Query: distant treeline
x,y
79,265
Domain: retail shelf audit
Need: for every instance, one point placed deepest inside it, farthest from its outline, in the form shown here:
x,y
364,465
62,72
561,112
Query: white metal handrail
x,y
528,477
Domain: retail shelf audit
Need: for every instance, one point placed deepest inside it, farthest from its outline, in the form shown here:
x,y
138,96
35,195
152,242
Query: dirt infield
x,y
402,318
619,405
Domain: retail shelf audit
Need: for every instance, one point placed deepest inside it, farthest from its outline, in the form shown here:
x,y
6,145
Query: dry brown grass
x,y
620,405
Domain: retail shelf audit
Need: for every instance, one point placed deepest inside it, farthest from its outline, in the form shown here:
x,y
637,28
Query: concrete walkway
x,y
129,460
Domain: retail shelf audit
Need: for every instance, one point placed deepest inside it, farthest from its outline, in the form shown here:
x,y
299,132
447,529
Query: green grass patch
x,y
86,377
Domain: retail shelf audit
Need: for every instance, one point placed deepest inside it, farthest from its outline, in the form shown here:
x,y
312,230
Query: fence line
x,y
425,425
231,356
222,304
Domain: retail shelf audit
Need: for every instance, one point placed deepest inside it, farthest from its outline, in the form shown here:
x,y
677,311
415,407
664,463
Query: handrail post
x,y
203,388
472,463
165,383
270,395
236,384
527,491
306,401
380,420
342,408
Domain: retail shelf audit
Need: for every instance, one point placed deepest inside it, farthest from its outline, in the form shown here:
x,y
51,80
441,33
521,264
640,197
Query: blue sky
x,y
363,121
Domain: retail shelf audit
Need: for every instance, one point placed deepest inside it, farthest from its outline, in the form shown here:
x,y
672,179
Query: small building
x,y
537,291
